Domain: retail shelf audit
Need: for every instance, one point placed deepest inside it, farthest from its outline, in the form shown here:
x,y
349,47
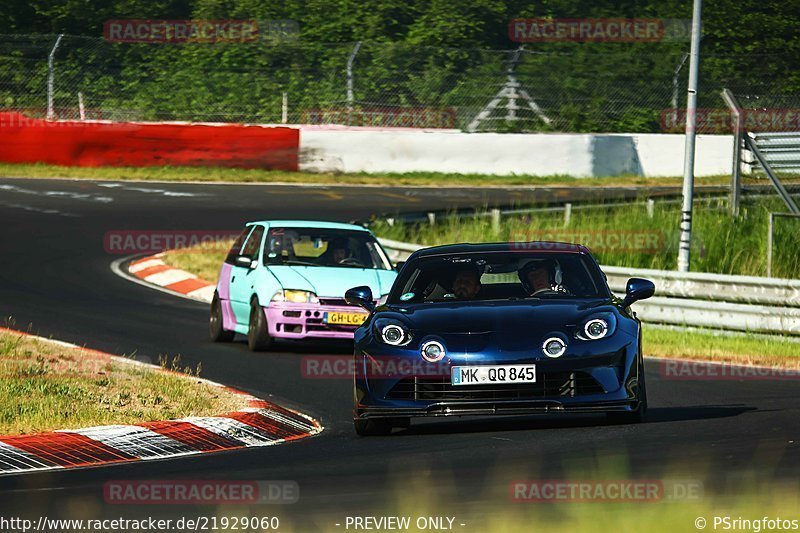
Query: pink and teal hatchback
x,y
287,279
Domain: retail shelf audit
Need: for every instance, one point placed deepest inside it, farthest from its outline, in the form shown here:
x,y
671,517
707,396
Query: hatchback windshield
x,y
499,276
324,247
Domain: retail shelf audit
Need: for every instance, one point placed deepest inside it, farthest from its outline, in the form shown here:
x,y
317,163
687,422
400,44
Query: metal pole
x,y
736,177
675,80
495,214
769,245
285,109
350,97
50,60
81,108
688,156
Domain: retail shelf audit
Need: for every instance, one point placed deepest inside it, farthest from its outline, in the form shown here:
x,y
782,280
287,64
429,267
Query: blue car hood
x,y
498,317
332,282
507,325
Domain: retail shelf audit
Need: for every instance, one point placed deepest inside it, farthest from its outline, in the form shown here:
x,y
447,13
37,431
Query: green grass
x,y
46,387
490,506
202,261
734,348
217,174
720,243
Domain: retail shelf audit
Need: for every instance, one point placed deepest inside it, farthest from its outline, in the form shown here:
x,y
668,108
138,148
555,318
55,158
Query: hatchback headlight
x,y
295,296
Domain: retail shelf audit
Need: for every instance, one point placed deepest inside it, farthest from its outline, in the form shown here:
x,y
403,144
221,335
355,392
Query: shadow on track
x,y
543,422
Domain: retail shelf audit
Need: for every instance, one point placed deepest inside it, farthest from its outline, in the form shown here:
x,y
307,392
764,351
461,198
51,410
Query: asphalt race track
x,y
55,276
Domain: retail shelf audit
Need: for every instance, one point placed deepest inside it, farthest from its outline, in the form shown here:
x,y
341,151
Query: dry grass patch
x,y
45,386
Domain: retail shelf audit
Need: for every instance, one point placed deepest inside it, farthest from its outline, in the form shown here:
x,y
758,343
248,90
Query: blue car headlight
x,y
597,327
392,332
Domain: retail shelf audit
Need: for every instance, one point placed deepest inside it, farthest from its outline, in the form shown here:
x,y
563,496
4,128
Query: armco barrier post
x,y
50,78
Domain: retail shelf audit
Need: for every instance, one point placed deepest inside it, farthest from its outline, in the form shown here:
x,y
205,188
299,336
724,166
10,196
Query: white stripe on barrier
x,y
168,277
13,459
204,294
136,441
144,264
234,430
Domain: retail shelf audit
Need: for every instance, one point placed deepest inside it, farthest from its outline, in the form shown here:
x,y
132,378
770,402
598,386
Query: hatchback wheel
x,y
215,329
258,338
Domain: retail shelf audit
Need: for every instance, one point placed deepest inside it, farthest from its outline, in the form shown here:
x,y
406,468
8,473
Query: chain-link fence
x,y
571,87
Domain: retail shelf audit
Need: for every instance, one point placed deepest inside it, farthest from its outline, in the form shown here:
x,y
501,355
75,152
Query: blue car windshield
x,y
499,276
324,248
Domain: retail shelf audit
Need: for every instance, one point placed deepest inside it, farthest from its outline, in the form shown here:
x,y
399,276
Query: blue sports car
x,y
498,329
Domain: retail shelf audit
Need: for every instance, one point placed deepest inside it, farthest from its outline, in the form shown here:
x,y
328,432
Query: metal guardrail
x,y
780,149
740,303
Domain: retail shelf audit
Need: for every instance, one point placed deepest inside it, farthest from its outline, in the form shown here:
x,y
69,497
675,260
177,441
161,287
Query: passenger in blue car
x,y
467,282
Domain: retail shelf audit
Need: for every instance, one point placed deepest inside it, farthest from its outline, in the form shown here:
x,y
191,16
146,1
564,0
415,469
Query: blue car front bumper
x,y
598,377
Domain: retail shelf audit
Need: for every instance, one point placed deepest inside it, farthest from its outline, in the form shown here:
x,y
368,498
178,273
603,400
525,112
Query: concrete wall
x,y
580,155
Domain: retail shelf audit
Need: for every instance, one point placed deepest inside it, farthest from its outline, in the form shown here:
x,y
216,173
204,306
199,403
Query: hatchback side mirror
x,y
244,262
399,265
638,289
360,296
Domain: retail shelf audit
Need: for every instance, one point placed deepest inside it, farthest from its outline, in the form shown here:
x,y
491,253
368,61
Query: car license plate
x,y
476,375
347,319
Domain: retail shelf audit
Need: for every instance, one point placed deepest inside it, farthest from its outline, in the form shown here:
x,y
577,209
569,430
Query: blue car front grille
x,y
547,385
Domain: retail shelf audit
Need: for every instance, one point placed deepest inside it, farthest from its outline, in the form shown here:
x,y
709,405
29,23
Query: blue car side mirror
x,y
361,296
638,289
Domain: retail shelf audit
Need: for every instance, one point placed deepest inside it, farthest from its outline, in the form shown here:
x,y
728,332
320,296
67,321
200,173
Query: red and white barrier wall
x,y
581,155
341,149
132,144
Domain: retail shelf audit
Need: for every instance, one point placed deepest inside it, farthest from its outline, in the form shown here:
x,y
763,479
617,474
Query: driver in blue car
x,y
542,277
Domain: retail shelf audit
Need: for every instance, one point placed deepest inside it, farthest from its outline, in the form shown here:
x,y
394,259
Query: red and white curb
x,y
153,271
258,423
